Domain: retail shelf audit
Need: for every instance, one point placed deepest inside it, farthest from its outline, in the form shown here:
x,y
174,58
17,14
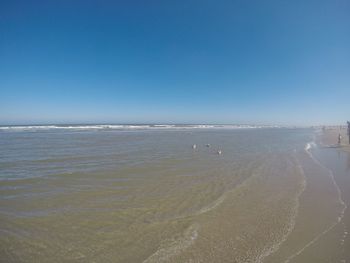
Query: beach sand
x,y
270,197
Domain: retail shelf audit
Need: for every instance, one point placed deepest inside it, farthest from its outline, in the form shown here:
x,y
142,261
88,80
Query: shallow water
x,y
333,245
147,196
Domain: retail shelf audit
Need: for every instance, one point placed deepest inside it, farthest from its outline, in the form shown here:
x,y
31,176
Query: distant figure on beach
x,y
219,152
339,139
349,130
194,146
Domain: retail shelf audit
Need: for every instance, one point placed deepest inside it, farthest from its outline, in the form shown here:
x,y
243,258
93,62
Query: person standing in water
x,y
339,139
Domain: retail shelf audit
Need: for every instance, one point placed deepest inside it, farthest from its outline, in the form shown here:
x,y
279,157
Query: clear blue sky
x,y
282,62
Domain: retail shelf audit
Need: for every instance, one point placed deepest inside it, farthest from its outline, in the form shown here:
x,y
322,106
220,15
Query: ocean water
x,y
143,194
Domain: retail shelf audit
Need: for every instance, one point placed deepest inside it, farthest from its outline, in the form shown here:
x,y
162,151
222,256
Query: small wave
x,y
309,146
69,127
294,214
172,247
130,127
213,205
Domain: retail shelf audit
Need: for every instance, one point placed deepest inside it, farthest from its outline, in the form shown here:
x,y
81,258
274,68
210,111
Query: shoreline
x,y
271,198
329,242
329,138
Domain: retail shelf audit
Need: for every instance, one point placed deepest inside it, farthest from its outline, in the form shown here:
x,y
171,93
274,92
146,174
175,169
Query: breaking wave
x,y
129,127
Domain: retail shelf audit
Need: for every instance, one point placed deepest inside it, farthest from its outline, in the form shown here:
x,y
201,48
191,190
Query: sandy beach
x,y
273,195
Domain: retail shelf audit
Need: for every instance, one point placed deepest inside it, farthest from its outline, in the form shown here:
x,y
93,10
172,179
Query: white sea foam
x,y
129,127
307,147
172,247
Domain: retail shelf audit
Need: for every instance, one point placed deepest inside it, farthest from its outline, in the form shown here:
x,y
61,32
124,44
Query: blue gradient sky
x,y
273,62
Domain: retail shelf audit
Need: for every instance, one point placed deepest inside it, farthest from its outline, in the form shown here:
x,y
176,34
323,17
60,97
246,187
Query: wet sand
x,y
321,229
329,137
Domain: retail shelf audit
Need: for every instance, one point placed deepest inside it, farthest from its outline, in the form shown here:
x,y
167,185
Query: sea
x,y
172,193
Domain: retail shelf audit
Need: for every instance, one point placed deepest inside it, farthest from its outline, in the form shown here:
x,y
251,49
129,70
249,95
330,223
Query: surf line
x,y
331,174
